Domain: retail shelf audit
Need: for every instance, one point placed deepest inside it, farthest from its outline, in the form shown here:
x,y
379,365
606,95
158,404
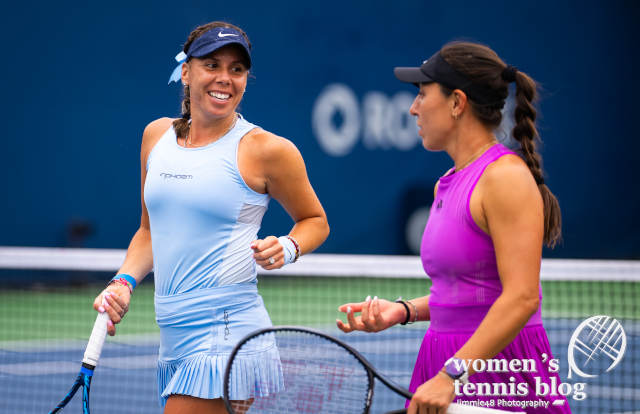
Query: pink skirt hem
x,y
498,390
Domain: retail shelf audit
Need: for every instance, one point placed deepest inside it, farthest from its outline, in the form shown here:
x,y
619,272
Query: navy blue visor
x,y
214,39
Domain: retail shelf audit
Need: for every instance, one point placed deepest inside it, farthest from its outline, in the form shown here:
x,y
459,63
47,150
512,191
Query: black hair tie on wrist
x,y
509,73
406,308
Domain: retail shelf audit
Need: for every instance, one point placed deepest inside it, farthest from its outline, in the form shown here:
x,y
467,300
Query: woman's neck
x,y
203,132
471,141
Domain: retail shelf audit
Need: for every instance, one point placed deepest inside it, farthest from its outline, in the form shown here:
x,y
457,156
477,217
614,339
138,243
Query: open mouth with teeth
x,y
220,95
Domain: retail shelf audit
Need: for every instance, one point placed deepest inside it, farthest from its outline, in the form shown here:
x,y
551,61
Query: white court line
x,y
68,367
54,345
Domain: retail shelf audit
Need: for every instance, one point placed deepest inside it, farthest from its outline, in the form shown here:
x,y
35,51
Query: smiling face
x,y
432,110
216,82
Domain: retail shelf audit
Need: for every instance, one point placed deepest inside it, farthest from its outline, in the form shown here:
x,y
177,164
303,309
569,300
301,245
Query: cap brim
x,y
411,75
212,47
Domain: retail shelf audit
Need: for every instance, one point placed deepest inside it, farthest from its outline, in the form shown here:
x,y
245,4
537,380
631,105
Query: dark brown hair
x,y
483,66
181,125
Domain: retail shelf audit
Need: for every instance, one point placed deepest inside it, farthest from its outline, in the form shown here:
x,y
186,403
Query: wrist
x,y
296,245
445,375
291,249
456,369
415,312
288,248
125,280
407,314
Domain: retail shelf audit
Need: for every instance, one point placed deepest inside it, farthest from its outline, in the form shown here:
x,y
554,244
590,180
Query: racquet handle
x,y
96,341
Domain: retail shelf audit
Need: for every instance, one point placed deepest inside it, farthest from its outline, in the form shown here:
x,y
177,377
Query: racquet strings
x,y
313,375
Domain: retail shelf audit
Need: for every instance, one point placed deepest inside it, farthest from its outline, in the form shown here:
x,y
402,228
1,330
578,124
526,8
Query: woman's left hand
x,y
268,253
433,397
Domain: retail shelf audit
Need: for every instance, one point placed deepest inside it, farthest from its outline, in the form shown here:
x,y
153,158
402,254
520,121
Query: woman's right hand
x,y
375,315
115,301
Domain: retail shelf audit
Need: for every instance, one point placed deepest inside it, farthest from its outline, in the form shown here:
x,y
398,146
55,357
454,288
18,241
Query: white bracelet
x,y
288,248
415,311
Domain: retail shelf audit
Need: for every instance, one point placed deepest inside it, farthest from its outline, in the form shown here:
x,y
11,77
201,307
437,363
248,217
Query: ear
x,y
185,73
458,102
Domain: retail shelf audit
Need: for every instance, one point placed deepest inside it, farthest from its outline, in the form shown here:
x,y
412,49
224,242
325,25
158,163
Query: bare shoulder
x,y
509,178
153,132
508,169
155,129
269,146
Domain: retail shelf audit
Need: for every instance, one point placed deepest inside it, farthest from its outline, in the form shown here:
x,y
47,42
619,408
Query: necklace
x,y
188,143
476,155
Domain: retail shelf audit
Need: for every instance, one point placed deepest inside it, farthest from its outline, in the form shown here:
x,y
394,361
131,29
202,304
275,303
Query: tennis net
x,y
46,316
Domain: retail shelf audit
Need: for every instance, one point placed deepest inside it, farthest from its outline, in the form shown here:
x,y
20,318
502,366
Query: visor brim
x,y
411,75
207,49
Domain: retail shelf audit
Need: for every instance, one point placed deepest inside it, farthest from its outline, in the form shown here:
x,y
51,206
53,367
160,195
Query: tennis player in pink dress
x,y
482,246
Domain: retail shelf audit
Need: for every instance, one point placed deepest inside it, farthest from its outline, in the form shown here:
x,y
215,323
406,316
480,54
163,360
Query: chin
x,y
429,146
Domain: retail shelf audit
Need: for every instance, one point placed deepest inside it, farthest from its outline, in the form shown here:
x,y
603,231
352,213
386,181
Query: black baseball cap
x,y
436,69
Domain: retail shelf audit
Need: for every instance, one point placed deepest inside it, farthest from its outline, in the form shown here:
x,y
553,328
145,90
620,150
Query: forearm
x,y
310,233
506,317
139,259
422,307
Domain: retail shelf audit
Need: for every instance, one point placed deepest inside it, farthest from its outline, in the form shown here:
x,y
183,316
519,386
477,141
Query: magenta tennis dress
x,y
460,260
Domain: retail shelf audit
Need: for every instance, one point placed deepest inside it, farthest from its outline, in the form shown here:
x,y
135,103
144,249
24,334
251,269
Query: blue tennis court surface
x,y
34,376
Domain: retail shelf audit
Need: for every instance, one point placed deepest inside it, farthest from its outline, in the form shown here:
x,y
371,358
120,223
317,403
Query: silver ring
x,y
271,260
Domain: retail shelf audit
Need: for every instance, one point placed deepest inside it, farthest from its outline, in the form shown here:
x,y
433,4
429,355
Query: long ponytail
x,y
483,66
526,134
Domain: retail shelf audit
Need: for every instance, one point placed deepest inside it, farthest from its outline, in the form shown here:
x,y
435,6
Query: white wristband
x,y
289,249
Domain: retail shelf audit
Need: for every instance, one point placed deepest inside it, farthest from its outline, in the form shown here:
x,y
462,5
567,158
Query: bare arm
x,y
378,314
283,175
513,208
138,261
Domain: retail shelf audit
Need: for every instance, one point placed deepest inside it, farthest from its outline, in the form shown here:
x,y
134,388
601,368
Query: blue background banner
x,y
81,81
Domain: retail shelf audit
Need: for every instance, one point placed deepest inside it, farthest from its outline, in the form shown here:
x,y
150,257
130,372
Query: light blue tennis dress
x,y
203,218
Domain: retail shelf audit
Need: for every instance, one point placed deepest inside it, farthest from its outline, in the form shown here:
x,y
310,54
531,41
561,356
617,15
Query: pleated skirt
x,y
198,331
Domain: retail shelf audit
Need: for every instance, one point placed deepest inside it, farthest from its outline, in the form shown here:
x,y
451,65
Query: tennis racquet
x,y
307,371
89,362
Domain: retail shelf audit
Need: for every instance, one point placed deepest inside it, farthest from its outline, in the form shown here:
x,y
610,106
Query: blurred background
x,y
82,79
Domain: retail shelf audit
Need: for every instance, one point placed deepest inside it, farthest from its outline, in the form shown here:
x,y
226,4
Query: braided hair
x,y
483,66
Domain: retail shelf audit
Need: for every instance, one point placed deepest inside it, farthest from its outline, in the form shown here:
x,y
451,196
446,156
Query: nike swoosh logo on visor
x,y
226,34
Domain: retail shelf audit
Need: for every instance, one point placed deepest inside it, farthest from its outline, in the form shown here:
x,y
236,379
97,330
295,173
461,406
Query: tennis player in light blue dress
x,y
207,179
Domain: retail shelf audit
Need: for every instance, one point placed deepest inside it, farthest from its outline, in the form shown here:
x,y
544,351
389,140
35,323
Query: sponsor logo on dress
x,y
168,176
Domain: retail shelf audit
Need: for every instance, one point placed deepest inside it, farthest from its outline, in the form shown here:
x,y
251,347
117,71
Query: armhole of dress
x,y
150,155
254,197
468,214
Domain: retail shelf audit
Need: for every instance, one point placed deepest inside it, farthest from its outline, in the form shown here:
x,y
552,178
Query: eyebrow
x,y
216,59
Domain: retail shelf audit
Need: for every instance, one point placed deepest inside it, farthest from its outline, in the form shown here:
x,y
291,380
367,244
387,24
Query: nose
x,y
413,110
223,77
